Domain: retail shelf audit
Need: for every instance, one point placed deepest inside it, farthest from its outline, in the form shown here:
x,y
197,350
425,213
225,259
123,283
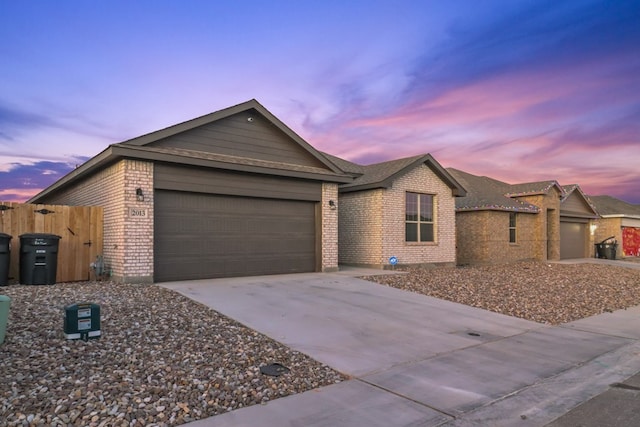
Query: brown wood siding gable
x,y
245,134
574,204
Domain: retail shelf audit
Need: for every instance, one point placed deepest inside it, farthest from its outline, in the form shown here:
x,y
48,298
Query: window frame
x,y
419,221
513,228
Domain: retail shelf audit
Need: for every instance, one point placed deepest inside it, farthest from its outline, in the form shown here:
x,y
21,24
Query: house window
x,y
419,225
512,227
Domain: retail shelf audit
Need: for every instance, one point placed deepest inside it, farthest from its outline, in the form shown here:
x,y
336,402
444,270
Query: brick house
x,y
238,193
232,193
402,208
620,220
501,222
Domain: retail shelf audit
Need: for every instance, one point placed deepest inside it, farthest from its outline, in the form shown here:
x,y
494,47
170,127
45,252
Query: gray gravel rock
x,y
162,360
542,292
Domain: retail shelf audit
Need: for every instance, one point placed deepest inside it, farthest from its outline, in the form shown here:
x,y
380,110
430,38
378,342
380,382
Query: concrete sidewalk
x,y
417,360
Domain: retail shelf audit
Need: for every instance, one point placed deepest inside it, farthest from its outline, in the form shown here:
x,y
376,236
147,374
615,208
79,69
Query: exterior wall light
x,y
593,228
332,205
139,195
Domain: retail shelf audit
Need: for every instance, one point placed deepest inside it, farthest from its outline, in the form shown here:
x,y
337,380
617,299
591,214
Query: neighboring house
x,y
402,209
501,222
232,193
577,223
620,220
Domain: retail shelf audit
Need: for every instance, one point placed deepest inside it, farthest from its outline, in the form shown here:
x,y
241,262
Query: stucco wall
x,y
128,241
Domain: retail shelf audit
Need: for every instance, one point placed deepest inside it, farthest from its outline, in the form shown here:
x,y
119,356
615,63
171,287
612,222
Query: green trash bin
x,y
5,302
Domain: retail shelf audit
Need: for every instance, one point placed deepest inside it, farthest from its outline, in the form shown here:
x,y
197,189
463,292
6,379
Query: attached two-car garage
x,y
203,236
262,227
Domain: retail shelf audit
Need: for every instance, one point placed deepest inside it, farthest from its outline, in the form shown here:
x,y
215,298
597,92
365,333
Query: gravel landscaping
x,y
162,360
546,293
166,360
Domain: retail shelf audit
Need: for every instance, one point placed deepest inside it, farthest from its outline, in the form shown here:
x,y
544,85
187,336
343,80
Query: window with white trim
x,y
419,218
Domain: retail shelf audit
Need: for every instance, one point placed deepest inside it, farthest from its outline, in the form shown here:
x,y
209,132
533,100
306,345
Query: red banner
x,y
630,241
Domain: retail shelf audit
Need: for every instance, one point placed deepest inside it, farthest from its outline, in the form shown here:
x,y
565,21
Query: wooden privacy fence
x,y
80,229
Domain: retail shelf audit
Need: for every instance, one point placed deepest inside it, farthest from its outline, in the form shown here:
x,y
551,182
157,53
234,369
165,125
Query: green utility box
x,y
82,321
5,303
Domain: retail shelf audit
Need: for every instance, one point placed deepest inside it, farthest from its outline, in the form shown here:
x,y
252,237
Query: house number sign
x,y
139,213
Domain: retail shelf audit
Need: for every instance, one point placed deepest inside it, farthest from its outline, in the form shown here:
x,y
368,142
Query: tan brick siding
x,y
607,227
372,225
483,236
443,251
360,227
329,227
128,241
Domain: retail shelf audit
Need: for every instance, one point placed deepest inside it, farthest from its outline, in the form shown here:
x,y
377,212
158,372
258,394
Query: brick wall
x,y
443,251
483,237
360,227
128,241
372,229
607,227
546,238
329,233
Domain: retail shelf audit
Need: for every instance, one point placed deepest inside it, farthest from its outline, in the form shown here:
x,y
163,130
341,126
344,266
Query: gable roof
x,y
252,104
610,207
140,148
574,190
484,193
533,188
382,175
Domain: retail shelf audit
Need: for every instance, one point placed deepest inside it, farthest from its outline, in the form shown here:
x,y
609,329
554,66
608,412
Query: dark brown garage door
x,y
572,240
200,236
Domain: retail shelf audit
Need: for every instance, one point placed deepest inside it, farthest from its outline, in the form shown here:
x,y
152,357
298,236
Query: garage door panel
x,y
205,236
572,240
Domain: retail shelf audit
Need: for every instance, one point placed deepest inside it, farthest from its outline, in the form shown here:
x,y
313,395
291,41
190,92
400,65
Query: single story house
x,y
620,220
232,193
501,222
401,211
238,193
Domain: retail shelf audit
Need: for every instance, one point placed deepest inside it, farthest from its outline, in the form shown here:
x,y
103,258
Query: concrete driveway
x,y
417,360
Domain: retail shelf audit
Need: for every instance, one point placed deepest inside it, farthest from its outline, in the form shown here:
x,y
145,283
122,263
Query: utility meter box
x,y
82,321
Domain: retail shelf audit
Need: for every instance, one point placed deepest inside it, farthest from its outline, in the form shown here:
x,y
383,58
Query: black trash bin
x,y
38,259
5,258
607,248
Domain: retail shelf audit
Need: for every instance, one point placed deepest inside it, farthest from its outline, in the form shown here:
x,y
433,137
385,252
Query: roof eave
x,y
456,188
620,216
496,208
105,157
227,112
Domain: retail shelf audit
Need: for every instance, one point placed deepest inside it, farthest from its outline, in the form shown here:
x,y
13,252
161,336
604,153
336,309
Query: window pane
x,y
426,232
512,235
512,219
426,208
411,232
411,207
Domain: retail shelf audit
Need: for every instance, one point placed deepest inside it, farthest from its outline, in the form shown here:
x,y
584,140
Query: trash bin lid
x,y
6,236
40,236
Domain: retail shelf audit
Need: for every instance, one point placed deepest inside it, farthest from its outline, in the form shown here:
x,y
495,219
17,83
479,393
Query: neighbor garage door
x,y
572,239
201,236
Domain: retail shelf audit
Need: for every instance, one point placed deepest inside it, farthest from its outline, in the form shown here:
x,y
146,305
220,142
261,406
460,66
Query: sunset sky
x,y
520,91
